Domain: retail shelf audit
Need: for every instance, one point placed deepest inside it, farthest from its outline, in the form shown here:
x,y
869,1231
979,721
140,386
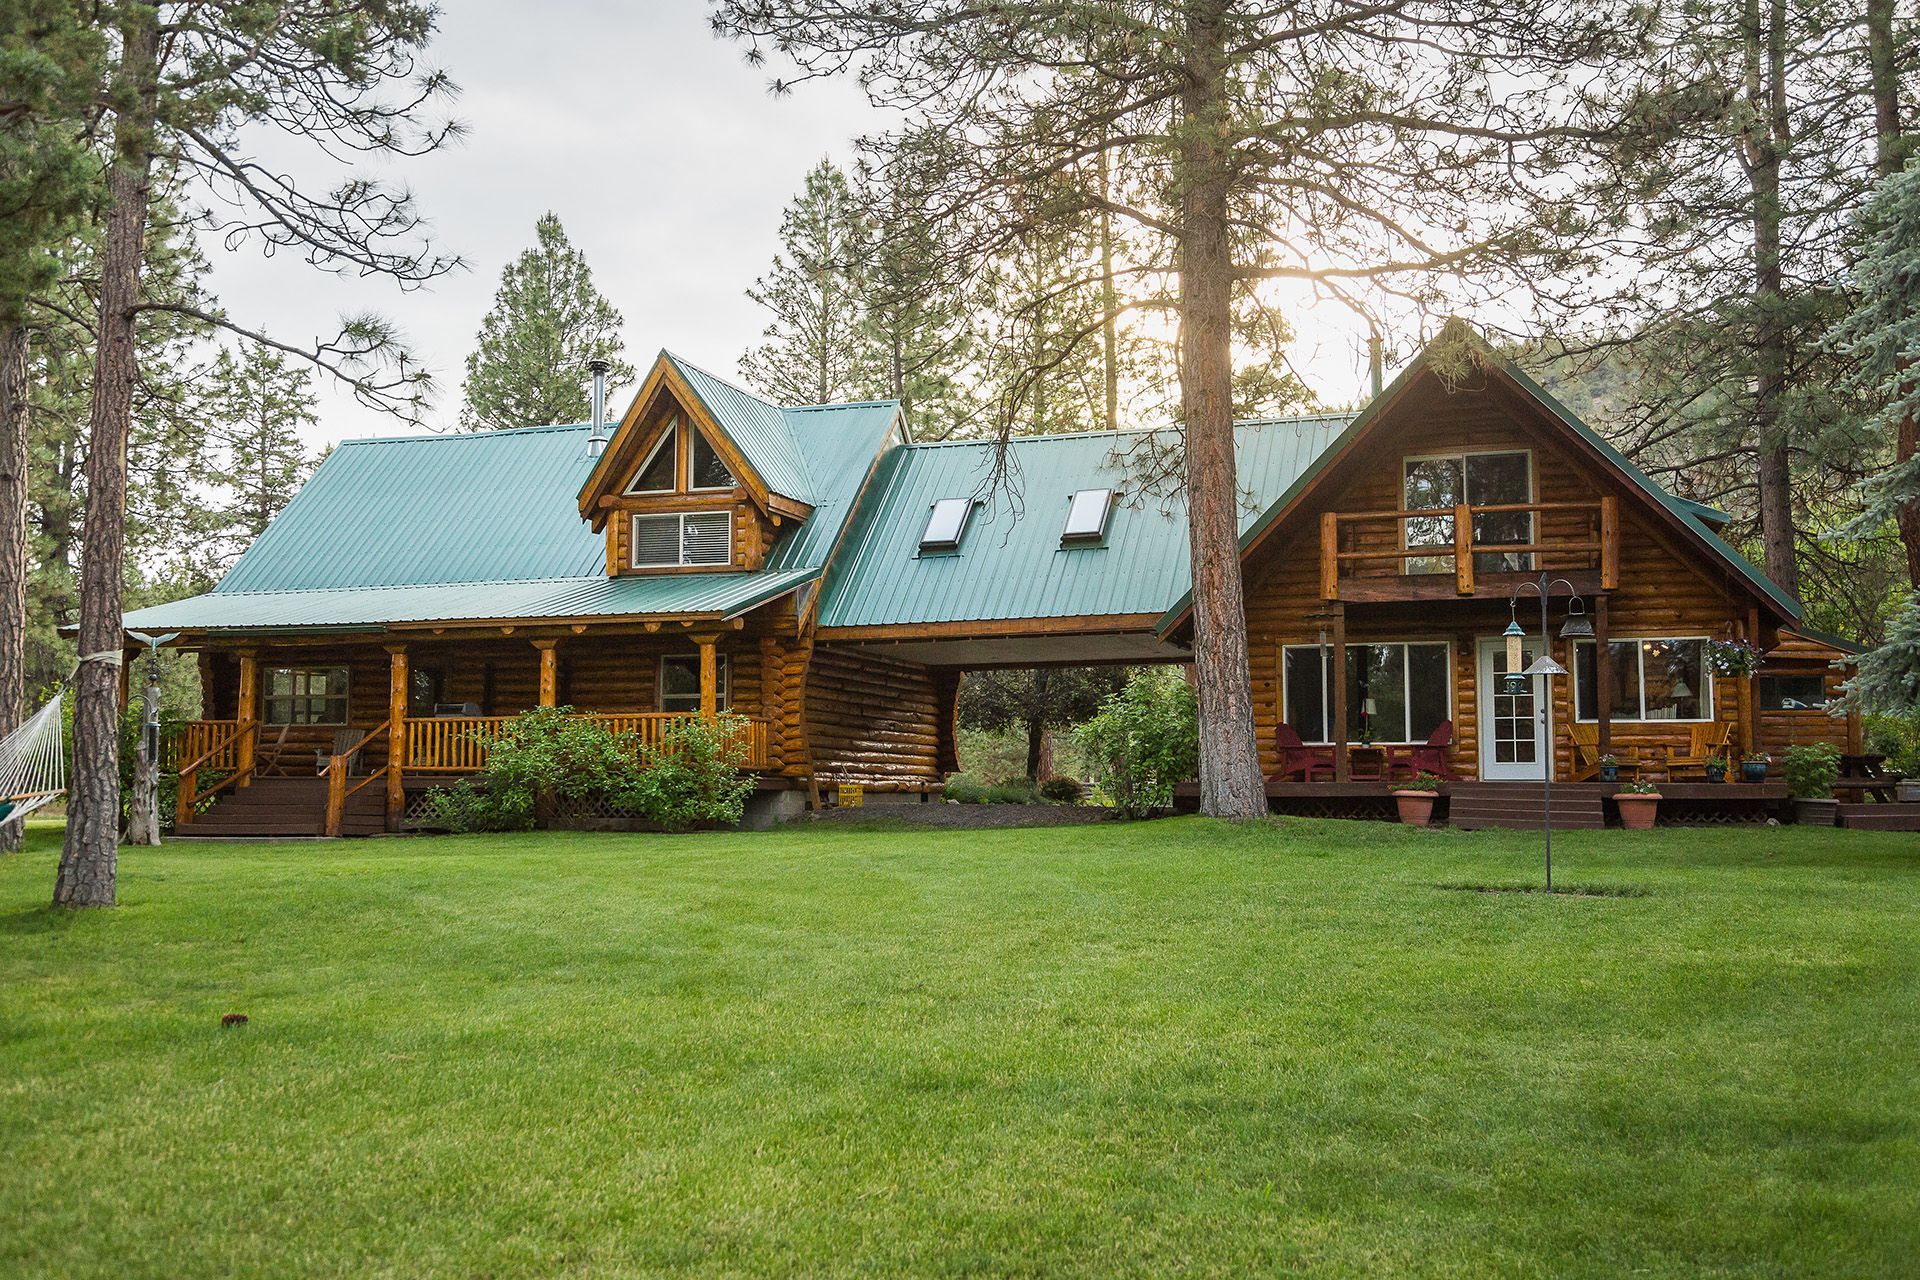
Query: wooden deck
x,y
1682,803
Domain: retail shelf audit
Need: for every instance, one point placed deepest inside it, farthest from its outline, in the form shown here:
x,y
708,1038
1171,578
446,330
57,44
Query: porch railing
x,y
458,744
1353,540
224,747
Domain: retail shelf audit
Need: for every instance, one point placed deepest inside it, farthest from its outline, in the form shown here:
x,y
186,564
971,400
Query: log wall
x,y
885,724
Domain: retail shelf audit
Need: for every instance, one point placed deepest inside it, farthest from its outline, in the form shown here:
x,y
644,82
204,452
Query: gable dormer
x,y
699,476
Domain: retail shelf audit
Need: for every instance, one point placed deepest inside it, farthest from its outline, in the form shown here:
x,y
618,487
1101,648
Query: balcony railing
x,y
458,744
1367,554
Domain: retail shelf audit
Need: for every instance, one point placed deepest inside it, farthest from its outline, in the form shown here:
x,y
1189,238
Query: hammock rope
x,y
33,763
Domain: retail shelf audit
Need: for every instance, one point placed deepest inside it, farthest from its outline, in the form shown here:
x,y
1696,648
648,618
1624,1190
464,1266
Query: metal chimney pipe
x,y
597,442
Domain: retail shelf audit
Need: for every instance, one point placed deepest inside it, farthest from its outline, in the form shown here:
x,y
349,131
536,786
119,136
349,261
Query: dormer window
x,y
946,524
685,540
709,469
659,474
1087,515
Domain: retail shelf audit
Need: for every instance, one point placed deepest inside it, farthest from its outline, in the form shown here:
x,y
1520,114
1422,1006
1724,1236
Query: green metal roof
x,y
762,432
430,528
1696,517
1011,563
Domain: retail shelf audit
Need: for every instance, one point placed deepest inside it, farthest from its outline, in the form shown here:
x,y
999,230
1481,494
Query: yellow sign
x,y
852,795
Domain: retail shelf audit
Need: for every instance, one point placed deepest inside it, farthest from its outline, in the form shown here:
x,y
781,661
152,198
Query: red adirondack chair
x,y
1299,759
1428,757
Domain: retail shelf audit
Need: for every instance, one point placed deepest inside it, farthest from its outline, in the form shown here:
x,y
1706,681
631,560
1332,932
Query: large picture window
x,y
693,538
1663,679
305,695
1793,693
1477,479
680,682
1398,692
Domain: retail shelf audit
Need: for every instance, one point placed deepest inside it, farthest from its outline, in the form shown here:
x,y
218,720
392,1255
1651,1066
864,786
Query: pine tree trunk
x,y
1230,782
88,863
1109,308
14,560
1883,68
1767,90
1036,747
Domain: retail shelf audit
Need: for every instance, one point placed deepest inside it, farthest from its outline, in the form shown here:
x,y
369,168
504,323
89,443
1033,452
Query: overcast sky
x,y
665,158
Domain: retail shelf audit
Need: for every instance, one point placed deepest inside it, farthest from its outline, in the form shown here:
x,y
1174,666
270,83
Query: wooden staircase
x,y
287,807
1880,817
1577,806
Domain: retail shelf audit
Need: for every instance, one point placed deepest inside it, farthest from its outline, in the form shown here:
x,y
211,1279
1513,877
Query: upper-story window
x,y
709,470
1475,479
682,539
660,472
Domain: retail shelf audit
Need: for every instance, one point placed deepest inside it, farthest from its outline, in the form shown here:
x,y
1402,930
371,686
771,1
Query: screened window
x,y
1477,479
306,695
693,538
1395,692
1087,514
709,471
658,474
1652,680
1793,693
946,524
680,682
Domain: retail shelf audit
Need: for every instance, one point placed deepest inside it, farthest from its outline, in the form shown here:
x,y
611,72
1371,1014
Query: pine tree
x,y
547,323
1036,702
817,348
255,407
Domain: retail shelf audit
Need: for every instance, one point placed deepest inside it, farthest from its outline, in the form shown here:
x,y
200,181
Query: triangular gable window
x,y
658,474
709,469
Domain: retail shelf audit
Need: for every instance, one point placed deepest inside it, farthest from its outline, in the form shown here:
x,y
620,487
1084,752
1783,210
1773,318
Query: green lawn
x,y
1169,1048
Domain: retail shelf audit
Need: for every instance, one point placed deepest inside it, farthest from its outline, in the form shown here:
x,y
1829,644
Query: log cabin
x,y
821,576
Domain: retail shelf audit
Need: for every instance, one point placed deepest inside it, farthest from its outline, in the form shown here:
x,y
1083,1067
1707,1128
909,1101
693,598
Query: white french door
x,y
1513,726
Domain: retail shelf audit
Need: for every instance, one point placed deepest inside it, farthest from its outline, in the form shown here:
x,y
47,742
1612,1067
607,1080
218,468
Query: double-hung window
x,y
1399,692
682,539
1475,479
305,695
1660,679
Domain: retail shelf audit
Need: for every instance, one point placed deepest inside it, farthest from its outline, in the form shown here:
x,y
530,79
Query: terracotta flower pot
x,y
1416,807
1636,811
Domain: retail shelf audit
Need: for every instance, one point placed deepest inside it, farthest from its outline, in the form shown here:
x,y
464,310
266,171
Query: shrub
x,y
1897,737
464,808
1062,790
692,777
1145,739
1012,791
1639,787
1811,770
1424,782
964,789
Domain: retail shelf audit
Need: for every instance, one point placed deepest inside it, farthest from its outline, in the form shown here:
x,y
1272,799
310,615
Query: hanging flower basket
x,y
1732,658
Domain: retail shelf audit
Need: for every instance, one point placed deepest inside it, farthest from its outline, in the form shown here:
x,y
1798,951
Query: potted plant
x,y
1754,767
1609,768
1811,771
1716,767
1415,799
1637,802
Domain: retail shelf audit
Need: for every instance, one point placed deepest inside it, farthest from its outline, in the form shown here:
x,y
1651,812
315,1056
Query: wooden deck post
x,y
1602,675
396,736
709,675
1338,675
1329,555
549,672
247,712
1462,550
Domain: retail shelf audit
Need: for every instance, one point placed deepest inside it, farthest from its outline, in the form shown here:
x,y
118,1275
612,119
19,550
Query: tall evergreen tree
x,y
255,407
547,324
817,347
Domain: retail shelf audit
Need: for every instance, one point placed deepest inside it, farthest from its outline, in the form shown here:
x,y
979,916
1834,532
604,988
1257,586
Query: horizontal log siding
x,y
1663,591
753,532
874,721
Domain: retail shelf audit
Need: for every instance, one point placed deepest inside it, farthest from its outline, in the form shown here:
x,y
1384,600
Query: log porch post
x,y
396,736
247,712
549,672
1750,688
1602,675
709,675
1341,769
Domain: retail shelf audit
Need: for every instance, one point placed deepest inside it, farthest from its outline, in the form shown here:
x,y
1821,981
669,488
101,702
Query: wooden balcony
x,y
1366,555
458,744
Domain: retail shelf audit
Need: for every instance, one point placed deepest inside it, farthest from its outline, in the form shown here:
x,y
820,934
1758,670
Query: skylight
x,y
945,524
1087,514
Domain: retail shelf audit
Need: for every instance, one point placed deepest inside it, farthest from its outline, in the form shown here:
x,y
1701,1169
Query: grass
x,y
1169,1048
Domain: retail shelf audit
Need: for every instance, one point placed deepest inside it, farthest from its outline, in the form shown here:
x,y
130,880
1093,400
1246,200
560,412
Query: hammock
x,y
33,763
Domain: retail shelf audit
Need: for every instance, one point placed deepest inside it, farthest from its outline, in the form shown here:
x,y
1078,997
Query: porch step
x,y
288,807
1880,817
1476,805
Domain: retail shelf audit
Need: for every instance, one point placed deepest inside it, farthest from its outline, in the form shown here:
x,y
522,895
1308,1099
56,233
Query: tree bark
x,y
1036,747
1766,58
88,864
1230,782
1109,307
14,559
1883,73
